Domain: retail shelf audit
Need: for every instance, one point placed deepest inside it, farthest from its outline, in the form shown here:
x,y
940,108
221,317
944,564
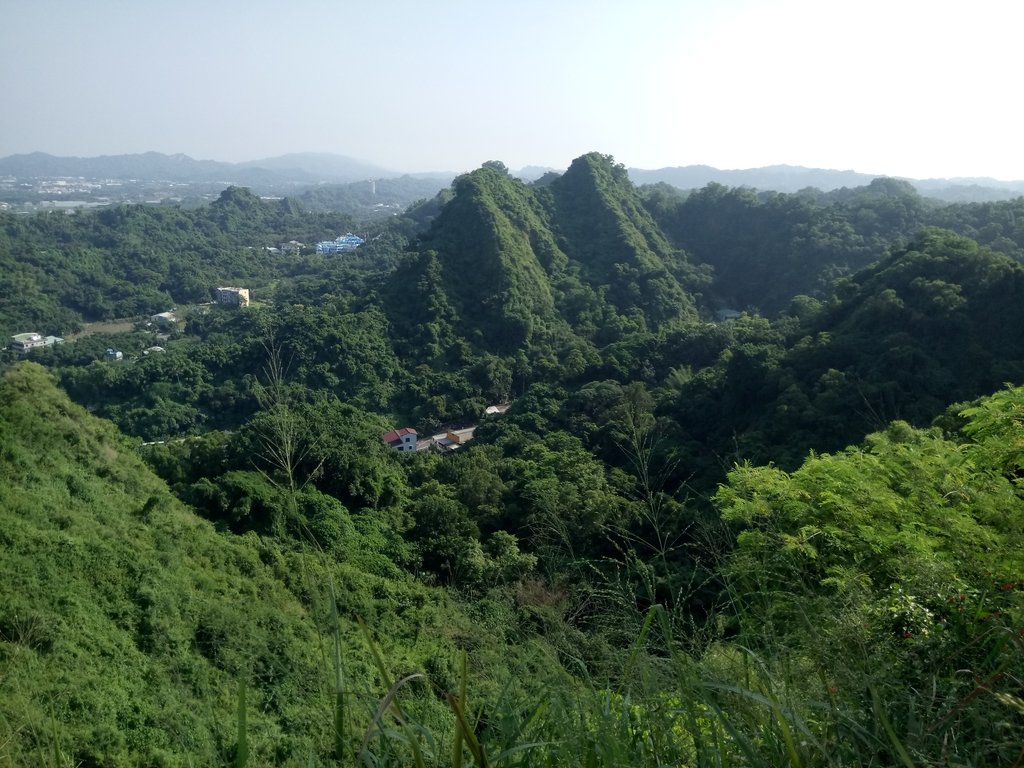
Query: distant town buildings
x,y
233,297
23,343
343,244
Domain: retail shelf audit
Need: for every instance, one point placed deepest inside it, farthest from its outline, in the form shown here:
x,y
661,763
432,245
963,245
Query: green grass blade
x,y
787,734
339,682
242,748
475,749
386,703
458,742
638,645
889,730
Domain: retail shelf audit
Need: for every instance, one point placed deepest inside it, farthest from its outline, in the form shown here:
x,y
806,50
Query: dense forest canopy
x,y
755,473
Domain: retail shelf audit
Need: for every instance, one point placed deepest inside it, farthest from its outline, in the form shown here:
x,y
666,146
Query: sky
x,y
913,88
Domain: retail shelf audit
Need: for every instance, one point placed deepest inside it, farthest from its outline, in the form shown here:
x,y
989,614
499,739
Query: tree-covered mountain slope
x,y
603,227
507,267
492,245
128,624
766,247
936,322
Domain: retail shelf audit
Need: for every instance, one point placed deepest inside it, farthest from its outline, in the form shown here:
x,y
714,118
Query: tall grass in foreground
x,y
738,707
661,712
732,707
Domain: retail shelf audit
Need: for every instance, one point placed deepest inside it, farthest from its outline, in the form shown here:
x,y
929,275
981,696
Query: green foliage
x,y
604,229
134,260
897,561
542,270
493,243
929,324
127,624
125,618
860,607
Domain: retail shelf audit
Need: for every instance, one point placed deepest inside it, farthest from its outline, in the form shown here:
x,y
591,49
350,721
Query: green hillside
x,y
546,270
872,604
128,624
603,227
766,248
492,244
934,323
671,544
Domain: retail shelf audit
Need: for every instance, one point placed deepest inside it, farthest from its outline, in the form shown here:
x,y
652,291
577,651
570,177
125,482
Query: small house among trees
x,y
403,439
23,343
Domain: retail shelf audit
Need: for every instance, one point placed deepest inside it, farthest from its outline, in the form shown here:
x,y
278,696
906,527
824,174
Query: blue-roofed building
x,y
344,244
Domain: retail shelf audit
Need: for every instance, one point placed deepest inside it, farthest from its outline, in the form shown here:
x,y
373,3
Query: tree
x,y
280,435
497,165
445,535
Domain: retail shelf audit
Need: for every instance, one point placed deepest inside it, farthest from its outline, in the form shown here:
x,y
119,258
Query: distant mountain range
x,y
793,178
780,178
304,169
316,168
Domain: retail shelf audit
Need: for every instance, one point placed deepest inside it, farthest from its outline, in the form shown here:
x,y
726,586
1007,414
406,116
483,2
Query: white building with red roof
x,y
403,439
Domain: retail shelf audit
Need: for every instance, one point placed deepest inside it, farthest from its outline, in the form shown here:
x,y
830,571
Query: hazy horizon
x,y
913,89
529,166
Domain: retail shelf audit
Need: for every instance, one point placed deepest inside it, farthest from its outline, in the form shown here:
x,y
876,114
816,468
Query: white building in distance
x,y
234,297
344,244
23,343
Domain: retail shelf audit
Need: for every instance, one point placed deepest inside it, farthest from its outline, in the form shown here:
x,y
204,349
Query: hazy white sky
x,y
918,88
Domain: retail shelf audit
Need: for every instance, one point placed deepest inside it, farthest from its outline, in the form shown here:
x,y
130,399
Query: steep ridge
x,y
125,619
602,225
493,247
507,266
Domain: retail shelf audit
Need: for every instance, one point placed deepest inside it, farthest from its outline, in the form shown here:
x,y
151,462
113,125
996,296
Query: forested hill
x,y
129,625
749,492
59,271
936,322
789,178
490,241
767,247
512,267
616,245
